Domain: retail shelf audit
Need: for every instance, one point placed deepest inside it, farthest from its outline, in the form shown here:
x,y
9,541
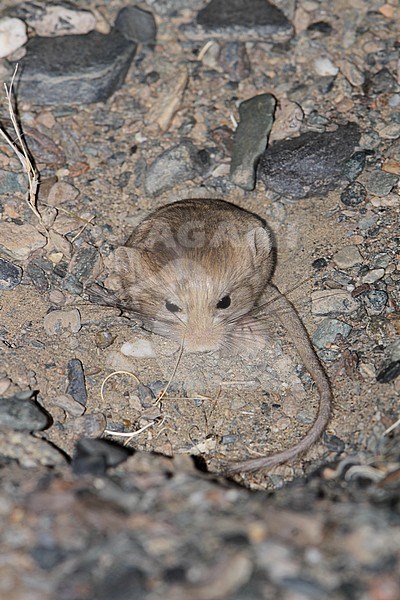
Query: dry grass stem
x,y
22,152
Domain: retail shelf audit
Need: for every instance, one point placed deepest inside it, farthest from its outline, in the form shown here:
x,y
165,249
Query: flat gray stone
x,y
348,257
136,24
22,414
333,302
74,69
309,165
177,164
240,20
381,183
328,330
251,136
76,381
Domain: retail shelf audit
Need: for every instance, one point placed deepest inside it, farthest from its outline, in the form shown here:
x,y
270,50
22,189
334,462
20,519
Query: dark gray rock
x,y
390,369
11,182
234,60
382,82
240,20
76,381
251,136
74,69
353,194
136,25
309,165
10,275
96,456
374,301
179,163
355,165
22,414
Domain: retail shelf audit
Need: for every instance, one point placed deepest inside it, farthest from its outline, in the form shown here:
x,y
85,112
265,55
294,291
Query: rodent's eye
x,y
224,302
172,307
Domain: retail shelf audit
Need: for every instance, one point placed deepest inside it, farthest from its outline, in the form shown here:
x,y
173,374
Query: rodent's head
x,y
194,270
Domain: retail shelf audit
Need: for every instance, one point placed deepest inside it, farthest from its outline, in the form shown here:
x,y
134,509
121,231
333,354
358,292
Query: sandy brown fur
x,y
196,271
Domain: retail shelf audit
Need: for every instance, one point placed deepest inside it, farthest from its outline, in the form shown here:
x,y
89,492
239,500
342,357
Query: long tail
x,y
298,333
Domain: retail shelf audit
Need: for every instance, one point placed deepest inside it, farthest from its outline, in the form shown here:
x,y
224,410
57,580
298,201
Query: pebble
x,y
328,330
58,20
353,194
88,425
74,69
104,339
20,241
373,275
241,20
391,366
22,414
374,301
355,165
62,192
310,164
251,135
381,183
390,132
5,383
39,270
76,381
175,165
382,82
352,73
382,260
94,457
332,302
348,257
69,404
10,275
12,35
138,349
58,321
137,25
324,66
234,61
86,265
11,182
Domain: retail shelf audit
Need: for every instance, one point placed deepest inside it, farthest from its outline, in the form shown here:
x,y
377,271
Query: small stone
x,y
234,61
96,456
69,404
382,260
381,183
353,194
319,263
241,20
354,166
373,275
390,132
348,257
137,25
382,82
374,301
256,119
352,73
60,20
62,192
22,414
12,35
138,349
76,381
328,330
88,425
310,164
11,182
175,165
58,321
86,265
74,69
10,275
332,302
325,67
391,367
20,241
104,339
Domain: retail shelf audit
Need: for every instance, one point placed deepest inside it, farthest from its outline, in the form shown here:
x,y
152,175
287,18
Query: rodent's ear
x,y
259,241
125,261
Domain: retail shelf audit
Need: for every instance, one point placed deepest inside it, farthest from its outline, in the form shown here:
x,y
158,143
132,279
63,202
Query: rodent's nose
x,y
202,341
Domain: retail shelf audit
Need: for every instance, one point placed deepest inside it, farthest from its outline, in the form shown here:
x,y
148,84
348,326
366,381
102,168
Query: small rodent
x,y
198,271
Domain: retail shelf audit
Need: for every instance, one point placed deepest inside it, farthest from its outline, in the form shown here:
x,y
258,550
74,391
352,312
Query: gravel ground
x,y
158,523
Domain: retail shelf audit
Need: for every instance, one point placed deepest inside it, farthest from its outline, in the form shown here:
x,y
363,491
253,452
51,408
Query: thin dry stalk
x,y
22,151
